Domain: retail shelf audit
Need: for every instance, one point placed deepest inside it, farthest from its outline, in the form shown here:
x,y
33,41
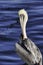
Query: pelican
x,y
26,48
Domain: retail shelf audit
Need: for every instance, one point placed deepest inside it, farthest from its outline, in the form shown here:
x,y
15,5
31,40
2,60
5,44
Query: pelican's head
x,y
23,16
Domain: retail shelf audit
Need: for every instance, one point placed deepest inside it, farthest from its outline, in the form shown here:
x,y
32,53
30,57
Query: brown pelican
x,y
26,48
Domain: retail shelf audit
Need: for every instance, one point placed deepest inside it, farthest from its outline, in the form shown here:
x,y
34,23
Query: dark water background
x,y
10,28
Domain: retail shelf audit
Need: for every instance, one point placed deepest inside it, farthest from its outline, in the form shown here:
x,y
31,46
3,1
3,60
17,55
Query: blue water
x,y
10,28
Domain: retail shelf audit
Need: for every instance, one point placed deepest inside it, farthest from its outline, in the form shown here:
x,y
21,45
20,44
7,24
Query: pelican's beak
x,y
22,17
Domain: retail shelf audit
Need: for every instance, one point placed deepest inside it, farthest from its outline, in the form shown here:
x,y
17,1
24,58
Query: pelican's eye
x,y
22,16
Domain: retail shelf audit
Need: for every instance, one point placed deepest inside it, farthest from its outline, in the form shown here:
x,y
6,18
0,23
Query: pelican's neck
x,y
23,27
